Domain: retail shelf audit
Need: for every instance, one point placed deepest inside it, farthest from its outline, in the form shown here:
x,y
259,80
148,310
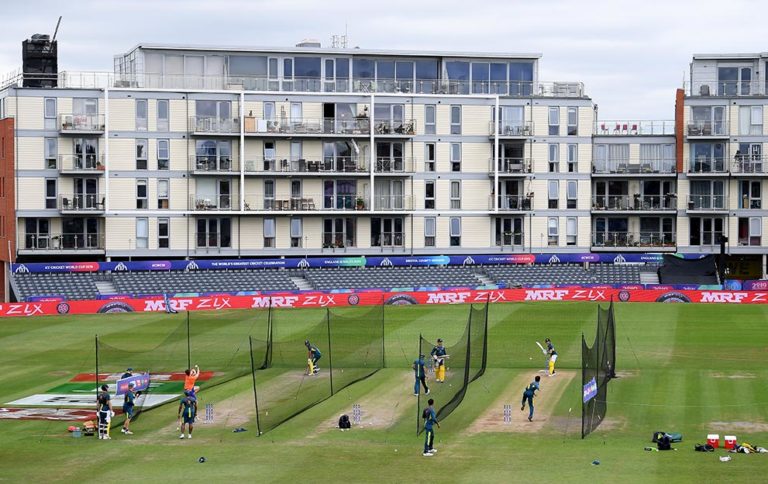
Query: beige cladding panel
x,y
178,233
282,232
474,157
363,235
122,154
475,195
443,119
122,115
122,193
417,114
178,152
586,121
540,118
30,113
475,120
540,155
31,193
31,153
585,157
418,231
120,233
475,232
178,115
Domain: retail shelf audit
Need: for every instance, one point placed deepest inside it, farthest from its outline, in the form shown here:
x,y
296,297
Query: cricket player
x,y
191,378
420,374
128,373
430,419
439,354
552,356
313,355
104,412
128,404
528,394
187,411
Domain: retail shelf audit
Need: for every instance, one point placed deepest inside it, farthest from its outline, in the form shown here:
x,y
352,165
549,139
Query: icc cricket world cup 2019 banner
x,y
590,390
140,382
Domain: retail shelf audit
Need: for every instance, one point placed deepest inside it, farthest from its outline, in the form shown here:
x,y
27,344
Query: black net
x,y
598,368
465,362
351,344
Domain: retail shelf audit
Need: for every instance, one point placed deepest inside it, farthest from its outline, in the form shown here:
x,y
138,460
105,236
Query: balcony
x,y
634,128
394,128
634,167
329,165
62,243
81,124
707,166
717,88
509,129
394,165
208,203
634,203
511,166
706,203
707,129
512,203
392,203
359,126
750,165
311,202
89,164
82,203
207,125
205,164
640,241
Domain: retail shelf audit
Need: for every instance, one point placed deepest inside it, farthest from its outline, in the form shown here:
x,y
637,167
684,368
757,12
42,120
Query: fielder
x,y
439,355
552,356
430,419
528,394
191,378
420,374
128,404
313,355
104,412
187,410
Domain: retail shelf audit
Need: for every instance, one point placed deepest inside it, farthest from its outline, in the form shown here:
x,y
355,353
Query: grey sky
x,y
631,55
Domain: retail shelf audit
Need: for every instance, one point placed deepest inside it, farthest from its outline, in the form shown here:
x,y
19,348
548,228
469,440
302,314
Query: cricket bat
x,y
542,348
310,366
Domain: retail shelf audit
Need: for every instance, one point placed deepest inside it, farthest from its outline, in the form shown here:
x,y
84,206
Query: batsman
x,y
313,355
439,355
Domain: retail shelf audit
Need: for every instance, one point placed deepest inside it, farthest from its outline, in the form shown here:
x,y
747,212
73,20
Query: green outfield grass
x,y
683,367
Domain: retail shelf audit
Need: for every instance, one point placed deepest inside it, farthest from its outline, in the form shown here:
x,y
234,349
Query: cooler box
x,y
730,441
714,440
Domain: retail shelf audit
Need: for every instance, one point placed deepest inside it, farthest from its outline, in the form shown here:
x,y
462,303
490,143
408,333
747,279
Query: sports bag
x,y
344,422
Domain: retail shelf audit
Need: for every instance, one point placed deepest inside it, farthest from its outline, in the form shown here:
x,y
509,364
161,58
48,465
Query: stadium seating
x,y
66,285
513,276
202,282
389,277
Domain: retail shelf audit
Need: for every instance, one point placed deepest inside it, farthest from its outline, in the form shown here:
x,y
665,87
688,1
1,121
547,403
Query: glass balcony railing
x,y
307,202
511,166
634,166
634,239
511,129
82,202
309,126
392,202
394,164
81,123
213,163
706,202
327,164
704,165
81,163
707,129
59,241
214,125
634,127
394,127
511,202
747,164
634,202
213,202
723,88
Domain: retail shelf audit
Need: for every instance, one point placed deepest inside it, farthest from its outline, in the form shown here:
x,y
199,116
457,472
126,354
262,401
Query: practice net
x,y
598,367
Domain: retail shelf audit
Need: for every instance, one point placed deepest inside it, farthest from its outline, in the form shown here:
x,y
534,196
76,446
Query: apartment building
x,y
208,152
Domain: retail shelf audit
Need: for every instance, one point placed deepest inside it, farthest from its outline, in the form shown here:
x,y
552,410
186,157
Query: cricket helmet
x,y
439,340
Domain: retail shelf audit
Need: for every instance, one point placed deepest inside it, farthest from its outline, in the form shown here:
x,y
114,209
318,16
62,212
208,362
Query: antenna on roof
x,y
340,41
57,29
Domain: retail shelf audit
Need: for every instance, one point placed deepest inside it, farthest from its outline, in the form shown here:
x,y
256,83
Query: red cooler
x,y
714,440
730,441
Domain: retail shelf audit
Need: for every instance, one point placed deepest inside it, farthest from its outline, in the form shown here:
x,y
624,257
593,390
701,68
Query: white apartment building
x,y
207,152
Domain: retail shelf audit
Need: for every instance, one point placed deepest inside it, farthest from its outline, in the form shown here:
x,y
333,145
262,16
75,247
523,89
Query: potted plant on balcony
x,y
359,203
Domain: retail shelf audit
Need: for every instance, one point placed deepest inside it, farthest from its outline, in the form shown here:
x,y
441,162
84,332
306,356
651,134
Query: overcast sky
x,y
631,55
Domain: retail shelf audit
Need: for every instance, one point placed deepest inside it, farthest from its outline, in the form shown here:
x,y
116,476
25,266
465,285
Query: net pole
x,y
96,341
583,377
330,351
418,398
383,319
485,334
189,345
253,379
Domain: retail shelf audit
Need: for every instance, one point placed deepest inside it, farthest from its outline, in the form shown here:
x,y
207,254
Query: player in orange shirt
x,y
191,378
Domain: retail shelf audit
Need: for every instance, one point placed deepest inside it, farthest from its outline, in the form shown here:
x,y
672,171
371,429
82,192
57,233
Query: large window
x,y
142,199
554,121
511,121
734,81
49,113
571,230
339,194
213,155
297,232
751,120
455,119
37,234
338,232
163,115
429,194
163,194
749,194
455,231
163,233
707,121
554,157
573,193
707,194
455,194
86,153
429,156
142,233
141,154
51,153
573,121
142,118
50,193
455,156
457,73
430,124
430,230
750,230
387,232
508,231
214,232
707,158
269,233
657,158
706,230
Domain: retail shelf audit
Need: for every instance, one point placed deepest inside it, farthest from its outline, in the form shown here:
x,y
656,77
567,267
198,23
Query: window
x,y
455,231
340,194
49,113
553,191
163,154
554,121
573,158
429,231
553,226
455,119
430,126
572,195
429,157
749,194
508,231
429,194
212,155
214,232
163,194
163,233
51,152
387,232
707,194
141,154
269,233
50,193
142,233
142,201
269,111
734,81
705,230
269,194
86,153
750,230
554,158
751,120
296,232
455,156
37,233
455,194
338,232
163,124
707,121
573,121
141,115
571,228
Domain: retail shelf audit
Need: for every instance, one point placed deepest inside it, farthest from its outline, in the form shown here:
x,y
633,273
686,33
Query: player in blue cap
x,y
420,374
